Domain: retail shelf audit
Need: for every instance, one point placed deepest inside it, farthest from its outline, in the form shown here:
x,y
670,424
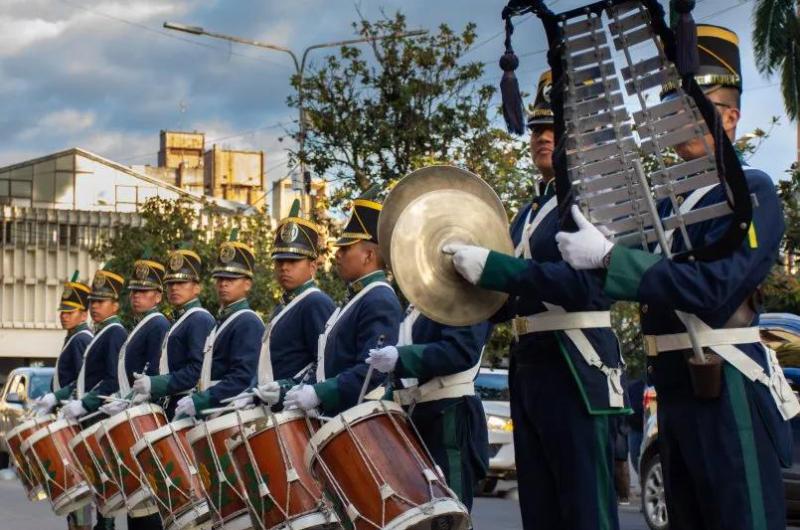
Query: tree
x,y
776,44
413,102
168,223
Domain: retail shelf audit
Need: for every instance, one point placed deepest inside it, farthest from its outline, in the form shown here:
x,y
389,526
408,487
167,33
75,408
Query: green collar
x,y
113,319
288,297
357,286
178,312
138,318
225,312
80,327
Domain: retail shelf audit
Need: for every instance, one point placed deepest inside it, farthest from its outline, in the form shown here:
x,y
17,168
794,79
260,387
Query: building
x,y
227,174
53,211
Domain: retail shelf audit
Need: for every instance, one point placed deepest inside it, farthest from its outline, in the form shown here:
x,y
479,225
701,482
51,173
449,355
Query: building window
x,y
68,235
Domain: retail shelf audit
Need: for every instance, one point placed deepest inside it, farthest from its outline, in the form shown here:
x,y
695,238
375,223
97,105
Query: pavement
x,y
490,513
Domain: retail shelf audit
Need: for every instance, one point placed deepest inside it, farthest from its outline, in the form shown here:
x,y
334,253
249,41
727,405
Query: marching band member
x,y
72,313
140,352
434,367
181,351
371,315
98,374
289,348
566,369
722,456
231,352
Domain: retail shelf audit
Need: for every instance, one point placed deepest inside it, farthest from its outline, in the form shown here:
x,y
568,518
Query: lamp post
x,y
299,66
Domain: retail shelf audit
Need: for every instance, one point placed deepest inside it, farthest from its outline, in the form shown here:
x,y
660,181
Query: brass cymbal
x,y
422,181
425,274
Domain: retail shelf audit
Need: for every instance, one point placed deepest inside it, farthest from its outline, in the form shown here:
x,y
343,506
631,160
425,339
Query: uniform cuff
x,y
159,385
500,271
91,402
63,393
202,401
409,361
328,393
625,271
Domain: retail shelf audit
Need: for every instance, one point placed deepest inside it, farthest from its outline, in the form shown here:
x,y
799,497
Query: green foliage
x,y
776,45
374,117
167,223
625,322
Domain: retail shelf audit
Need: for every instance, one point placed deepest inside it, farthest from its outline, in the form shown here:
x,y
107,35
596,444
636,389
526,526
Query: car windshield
x,y
40,385
492,387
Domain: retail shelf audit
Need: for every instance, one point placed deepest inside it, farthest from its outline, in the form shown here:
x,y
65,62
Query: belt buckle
x,y
521,326
651,345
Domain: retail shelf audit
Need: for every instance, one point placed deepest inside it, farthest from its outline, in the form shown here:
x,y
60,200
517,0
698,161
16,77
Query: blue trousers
x,y
563,454
721,467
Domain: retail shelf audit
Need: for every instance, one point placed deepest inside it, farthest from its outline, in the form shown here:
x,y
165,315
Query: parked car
x,y
23,385
777,329
491,386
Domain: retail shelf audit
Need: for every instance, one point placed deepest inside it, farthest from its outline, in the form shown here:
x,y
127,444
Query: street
x,y
17,513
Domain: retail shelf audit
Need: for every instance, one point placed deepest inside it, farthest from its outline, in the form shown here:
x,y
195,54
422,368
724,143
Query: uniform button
x,y
680,200
643,308
650,370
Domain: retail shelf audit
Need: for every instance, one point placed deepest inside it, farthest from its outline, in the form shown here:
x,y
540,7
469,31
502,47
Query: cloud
x,y
18,34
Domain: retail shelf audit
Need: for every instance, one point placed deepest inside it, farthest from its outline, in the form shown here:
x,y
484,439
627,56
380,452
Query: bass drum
x,y
165,460
116,436
25,471
269,464
48,451
371,458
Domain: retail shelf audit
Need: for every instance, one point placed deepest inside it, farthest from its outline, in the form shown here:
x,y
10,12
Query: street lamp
x,y
299,67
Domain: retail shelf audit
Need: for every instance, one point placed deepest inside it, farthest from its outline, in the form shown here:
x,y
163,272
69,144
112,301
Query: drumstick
x,y
368,377
246,393
114,398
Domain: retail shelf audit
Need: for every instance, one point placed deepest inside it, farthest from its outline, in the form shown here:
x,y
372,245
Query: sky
x,y
104,75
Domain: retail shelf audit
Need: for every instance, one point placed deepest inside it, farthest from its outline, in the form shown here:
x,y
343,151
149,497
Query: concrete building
x,y
53,211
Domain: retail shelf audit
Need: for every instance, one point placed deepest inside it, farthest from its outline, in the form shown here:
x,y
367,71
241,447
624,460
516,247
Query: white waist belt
x,y
553,321
655,344
408,396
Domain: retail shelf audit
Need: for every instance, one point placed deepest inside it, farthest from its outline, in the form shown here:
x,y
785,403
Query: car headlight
x,y
499,423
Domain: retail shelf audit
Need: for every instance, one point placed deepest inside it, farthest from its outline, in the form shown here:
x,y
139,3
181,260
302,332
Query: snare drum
x,y
116,436
87,453
26,471
165,460
269,464
209,445
48,452
371,458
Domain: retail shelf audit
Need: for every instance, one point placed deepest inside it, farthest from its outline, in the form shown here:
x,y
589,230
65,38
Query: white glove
x,y
383,359
586,248
141,383
468,260
301,397
269,393
242,402
140,398
185,407
112,408
45,404
73,410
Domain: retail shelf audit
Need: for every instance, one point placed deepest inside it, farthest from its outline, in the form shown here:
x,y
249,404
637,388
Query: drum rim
x,y
436,506
336,425
46,431
133,412
24,425
83,435
281,418
221,423
160,433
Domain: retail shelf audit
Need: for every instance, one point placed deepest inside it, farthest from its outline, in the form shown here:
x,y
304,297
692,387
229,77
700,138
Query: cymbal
x,y
425,274
422,181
